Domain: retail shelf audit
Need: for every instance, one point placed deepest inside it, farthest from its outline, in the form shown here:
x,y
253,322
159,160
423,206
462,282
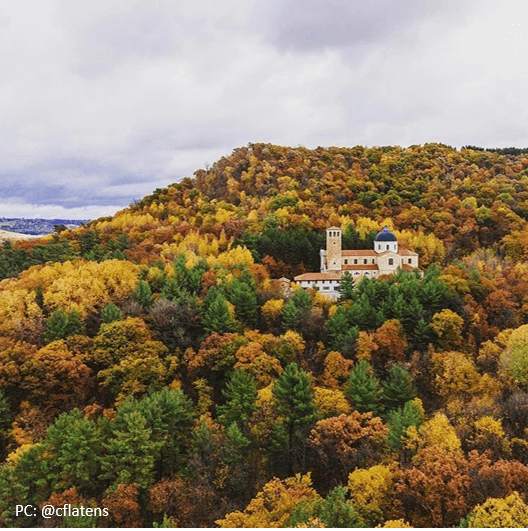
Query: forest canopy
x,y
154,364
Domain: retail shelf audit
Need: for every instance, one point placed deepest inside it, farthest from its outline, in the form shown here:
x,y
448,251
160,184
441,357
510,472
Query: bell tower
x,y
333,249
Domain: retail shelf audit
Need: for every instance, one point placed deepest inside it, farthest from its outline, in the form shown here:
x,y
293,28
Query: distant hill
x,y
37,226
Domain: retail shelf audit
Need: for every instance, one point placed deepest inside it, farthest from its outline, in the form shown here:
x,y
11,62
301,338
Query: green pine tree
x,y
216,317
131,453
399,421
342,335
75,444
336,512
398,388
294,399
289,316
241,395
302,300
74,323
244,297
111,313
363,389
143,294
346,287
39,297
171,290
62,324
170,416
423,335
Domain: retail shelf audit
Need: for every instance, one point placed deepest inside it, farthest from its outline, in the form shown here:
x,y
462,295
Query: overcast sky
x,y
102,101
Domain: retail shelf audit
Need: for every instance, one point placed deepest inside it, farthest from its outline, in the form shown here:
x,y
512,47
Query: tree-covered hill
x,y
150,364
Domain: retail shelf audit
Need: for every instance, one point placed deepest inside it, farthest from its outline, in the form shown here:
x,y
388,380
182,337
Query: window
x,y
326,287
391,261
364,260
387,247
366,273
355,260
410,260
346,261
356,273
373,261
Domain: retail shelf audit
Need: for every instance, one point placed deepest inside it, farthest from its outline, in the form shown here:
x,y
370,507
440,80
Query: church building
x,y
385,259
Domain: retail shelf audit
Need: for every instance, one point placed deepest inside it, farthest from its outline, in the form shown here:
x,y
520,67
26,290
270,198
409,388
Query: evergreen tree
x,y
289,316
235,454
56,326
111,313
241,395
363,311
217,317
343,336
39,297
399,421
302,300
131,453
363,389
60,325
294,399
74,326
398,388
189,279
336,512
244,298
346,287
171,290
143,294
423,335
75,444
170,416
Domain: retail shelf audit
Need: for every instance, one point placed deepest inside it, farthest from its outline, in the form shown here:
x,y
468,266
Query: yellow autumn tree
x,y
272,312
331,402
370,489
274,504
500,512
436,432
448,327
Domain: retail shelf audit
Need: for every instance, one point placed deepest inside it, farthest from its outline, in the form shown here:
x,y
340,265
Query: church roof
x,y
361,267
359,252
386,235
317,276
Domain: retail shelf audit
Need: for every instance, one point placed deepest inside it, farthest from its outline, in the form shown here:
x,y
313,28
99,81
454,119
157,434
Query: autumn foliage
x,y
159,363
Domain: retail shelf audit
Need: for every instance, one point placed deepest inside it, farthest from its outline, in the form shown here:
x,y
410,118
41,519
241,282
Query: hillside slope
x,y
150,364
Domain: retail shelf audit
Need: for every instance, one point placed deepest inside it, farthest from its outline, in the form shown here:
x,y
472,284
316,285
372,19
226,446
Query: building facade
x,y
384,259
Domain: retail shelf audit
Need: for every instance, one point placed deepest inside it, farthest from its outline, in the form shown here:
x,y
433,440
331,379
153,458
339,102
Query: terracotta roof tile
x,y
360,252
361,267
317,276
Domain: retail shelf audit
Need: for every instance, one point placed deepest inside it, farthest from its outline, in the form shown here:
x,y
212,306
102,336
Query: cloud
x,y
104,101
307,25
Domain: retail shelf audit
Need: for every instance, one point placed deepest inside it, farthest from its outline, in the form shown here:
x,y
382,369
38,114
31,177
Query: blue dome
x,y
386,235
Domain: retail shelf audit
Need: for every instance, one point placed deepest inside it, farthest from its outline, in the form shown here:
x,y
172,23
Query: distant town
x,y
37,226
